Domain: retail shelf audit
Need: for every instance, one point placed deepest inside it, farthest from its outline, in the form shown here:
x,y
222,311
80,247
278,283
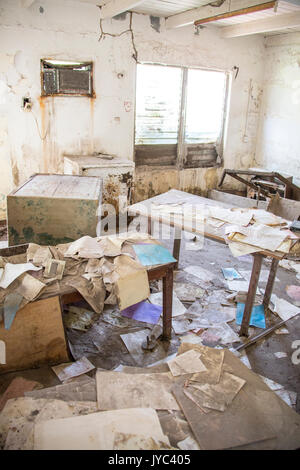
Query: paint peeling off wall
x,y
150,182
278,146
35,142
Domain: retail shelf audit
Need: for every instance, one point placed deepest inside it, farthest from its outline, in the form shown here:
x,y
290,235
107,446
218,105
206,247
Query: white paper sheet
x,y
97,431
283,308
201,273
13,271
262,236
177,307
239,286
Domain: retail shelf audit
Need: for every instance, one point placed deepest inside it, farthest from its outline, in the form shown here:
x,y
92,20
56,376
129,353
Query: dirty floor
x,y
103,346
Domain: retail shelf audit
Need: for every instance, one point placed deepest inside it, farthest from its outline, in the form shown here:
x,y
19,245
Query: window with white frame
x,y
180,115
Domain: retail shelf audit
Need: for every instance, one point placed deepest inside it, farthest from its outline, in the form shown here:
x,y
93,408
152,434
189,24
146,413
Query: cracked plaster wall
x,y
35,142
278,143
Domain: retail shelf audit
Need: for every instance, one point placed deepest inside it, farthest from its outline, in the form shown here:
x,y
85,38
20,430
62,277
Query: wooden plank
x,y
176,245
274,23
284,207
270,283
242,11
251,294
60,186
36,336
190,16
14,250
235,200
167,304
160,155
248,183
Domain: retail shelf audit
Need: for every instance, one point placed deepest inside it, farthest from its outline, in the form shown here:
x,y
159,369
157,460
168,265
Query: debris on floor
x,y
143,311
230,274
177,307
69,371
185,403
294,293
122,365
79,318
16,388
187,292
285,310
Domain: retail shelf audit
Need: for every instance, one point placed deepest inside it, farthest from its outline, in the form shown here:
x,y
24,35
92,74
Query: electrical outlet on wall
x,y
26,103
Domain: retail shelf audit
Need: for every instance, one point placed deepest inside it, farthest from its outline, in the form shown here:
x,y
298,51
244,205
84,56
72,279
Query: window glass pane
x,y
205,103
158,93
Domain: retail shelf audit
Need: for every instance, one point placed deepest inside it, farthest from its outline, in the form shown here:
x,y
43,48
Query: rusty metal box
x,y
52,209
117,175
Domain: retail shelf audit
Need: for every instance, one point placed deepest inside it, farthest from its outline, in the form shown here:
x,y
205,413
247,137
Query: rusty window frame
x,y
52,75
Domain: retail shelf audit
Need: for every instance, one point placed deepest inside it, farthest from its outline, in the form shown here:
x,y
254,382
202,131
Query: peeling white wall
x,y
278,144
35,142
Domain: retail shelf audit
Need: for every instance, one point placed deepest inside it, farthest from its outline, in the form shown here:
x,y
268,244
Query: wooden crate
x,y
35,337
52,209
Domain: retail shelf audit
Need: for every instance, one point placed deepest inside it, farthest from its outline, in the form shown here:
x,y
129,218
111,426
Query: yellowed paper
x,y
187,363
118,390
29,287
133,285
97,431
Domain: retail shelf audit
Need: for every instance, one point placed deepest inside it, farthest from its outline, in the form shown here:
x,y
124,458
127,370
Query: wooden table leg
x,y
149,225
176,245
167,304
270,283
251,294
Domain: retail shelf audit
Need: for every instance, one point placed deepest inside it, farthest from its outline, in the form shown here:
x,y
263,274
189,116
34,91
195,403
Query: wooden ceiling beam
x,y
190,16
242,11
273,23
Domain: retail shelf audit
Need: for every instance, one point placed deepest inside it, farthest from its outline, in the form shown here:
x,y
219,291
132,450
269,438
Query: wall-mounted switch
x,y
26,103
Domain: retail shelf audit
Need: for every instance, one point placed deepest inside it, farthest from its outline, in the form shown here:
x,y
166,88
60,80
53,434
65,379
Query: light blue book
x,y
257,315
230,274
151,254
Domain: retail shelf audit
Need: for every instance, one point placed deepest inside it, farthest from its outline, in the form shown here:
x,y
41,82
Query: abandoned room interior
x,y
150,225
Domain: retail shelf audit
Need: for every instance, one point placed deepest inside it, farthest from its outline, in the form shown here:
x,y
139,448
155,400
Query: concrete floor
x,y
104,347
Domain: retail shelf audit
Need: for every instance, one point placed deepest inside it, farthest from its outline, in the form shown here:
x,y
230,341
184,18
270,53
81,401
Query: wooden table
x,y
217,234
39,352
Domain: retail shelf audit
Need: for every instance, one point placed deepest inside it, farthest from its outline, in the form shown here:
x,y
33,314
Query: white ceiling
x,y
168,7
283,8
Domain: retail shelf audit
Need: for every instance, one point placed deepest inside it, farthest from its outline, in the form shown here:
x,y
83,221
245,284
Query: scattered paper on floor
x,y
187,363
201,273
117,390
177,307
82,366
144,312
284,309
97,431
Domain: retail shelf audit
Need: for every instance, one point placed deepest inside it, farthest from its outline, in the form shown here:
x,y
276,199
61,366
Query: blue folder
x,y
151,254
257,315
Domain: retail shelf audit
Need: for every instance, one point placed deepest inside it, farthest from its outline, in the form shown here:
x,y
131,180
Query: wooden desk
x,y
217,234
35,339
164,272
